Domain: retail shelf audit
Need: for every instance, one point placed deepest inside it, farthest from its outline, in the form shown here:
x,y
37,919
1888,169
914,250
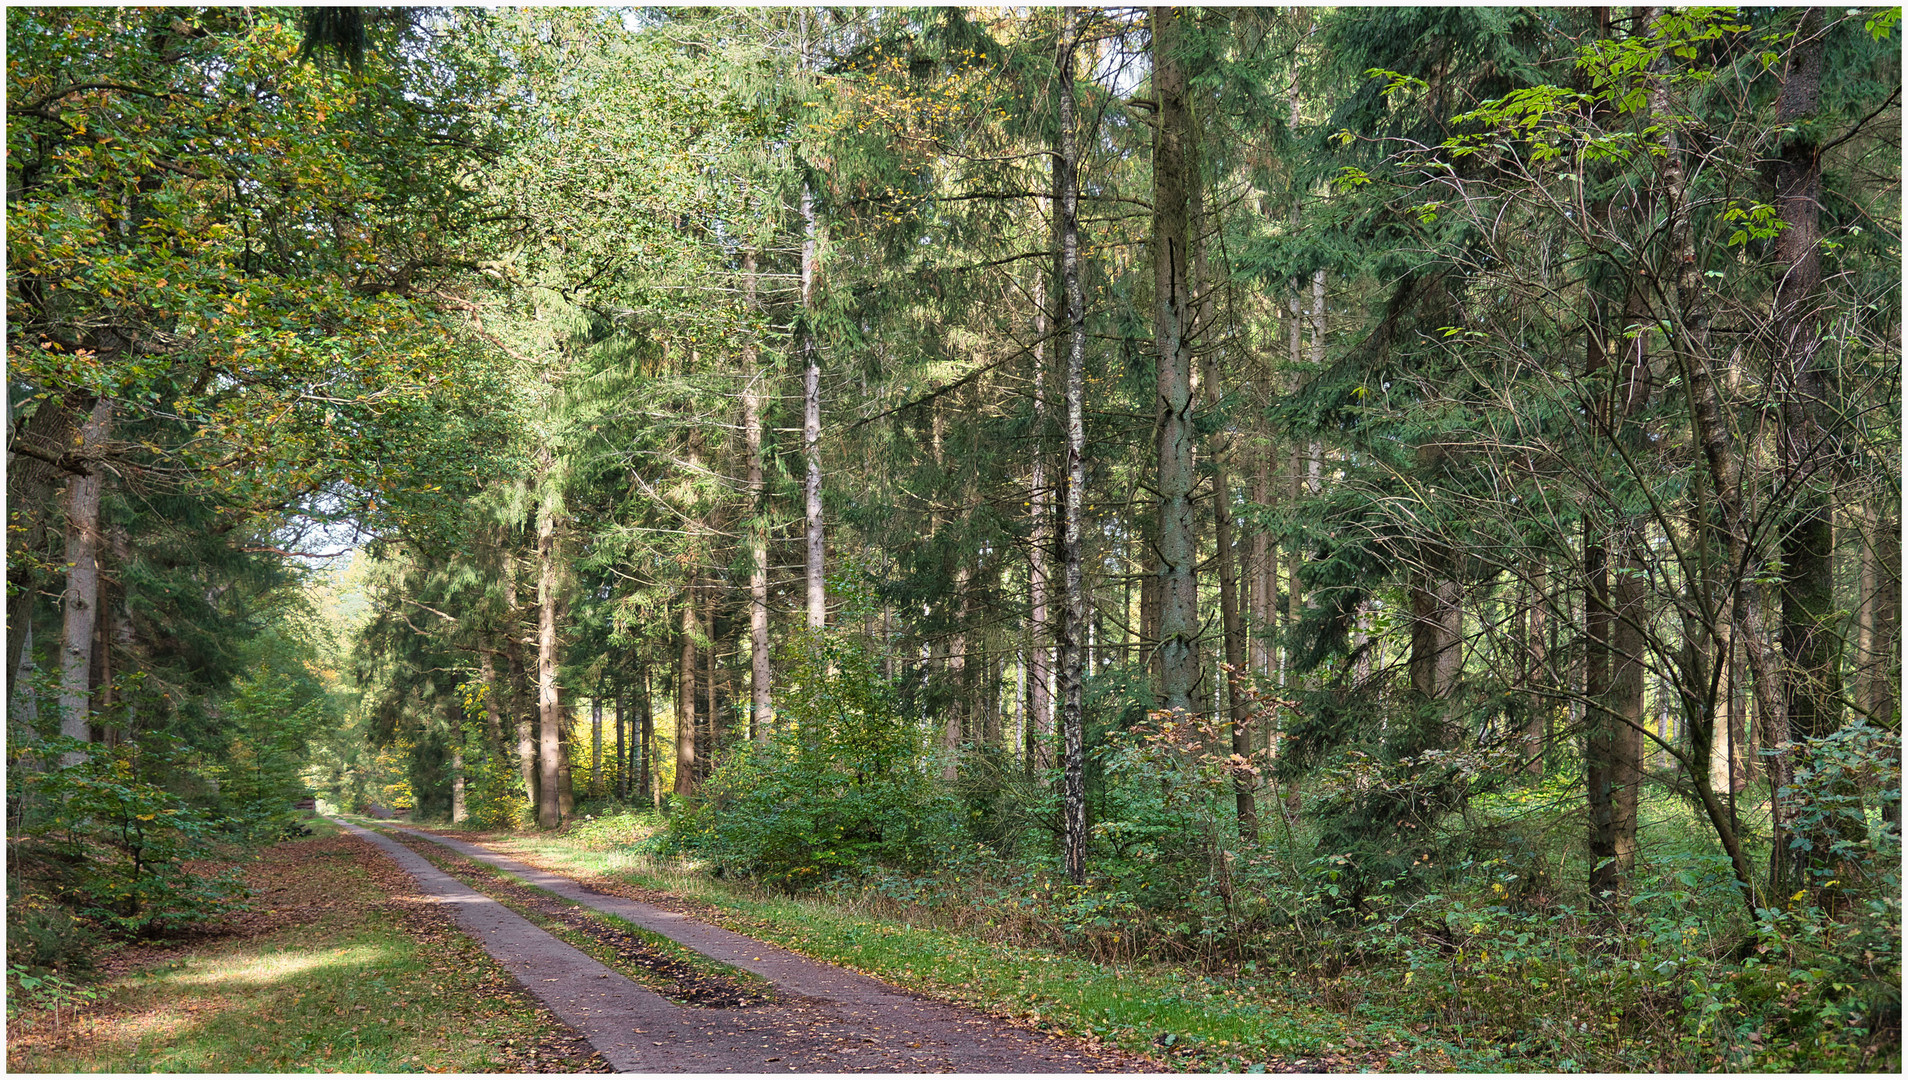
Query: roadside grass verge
x,y
338,968
1188,1021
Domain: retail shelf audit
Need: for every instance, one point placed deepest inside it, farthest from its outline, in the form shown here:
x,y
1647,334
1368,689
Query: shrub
x,y
844,783
493,791
110,844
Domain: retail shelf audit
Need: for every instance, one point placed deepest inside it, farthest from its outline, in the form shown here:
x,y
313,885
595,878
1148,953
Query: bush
x,y
844,783
493,791
111,845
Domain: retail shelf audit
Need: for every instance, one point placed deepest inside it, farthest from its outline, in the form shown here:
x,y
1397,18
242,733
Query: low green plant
x,y
844,783
45,991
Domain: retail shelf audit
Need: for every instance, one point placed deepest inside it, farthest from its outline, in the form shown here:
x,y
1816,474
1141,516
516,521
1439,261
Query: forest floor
x,y
338,966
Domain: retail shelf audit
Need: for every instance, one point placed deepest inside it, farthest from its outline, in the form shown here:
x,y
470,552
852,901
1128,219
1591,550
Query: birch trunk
x,y
1069,639
761,705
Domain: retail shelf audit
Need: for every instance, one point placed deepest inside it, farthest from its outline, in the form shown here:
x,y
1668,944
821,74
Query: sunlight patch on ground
x,y
278,967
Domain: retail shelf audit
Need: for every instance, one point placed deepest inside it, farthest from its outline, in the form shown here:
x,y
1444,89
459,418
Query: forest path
x,y
826,1019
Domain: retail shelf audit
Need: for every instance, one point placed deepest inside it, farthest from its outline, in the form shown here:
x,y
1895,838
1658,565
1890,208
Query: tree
x,y
1175,177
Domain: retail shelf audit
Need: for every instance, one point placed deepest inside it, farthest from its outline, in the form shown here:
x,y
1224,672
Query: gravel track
x,y
825,1019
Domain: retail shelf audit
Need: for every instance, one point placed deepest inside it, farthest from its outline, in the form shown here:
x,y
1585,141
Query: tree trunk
x,y
646,744
1809,642
80,602
23,705
1225,559
622,752
811,420
686,696
1881,613
548,703
1262,576
1616,738
1690,352
713,713
519,677
761,705
1436,655
1614,747
458,810
955,726
1073,621
1175,172
596,746
1040,698
1811,635
566,781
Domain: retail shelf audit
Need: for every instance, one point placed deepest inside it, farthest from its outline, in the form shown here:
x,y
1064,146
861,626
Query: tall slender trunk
x,y
596,744
686,696
811,420
1040,698
566,781
1069,639
1295,344
1809,641
647,788
713,713
1263,573
1175,171
1436,656
519,678
622,751
1614,747
80,602
1225,559
1811,634
1695,367
761,705
1881,610
23,706
957,726
458,808
550,757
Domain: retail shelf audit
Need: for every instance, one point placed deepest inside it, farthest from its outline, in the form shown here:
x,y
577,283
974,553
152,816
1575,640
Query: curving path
x,y
828,1019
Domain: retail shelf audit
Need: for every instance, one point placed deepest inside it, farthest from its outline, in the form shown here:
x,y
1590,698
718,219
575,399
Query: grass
x,y
323,975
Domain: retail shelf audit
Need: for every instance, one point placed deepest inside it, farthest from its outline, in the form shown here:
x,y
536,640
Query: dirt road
x,y
824,1019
